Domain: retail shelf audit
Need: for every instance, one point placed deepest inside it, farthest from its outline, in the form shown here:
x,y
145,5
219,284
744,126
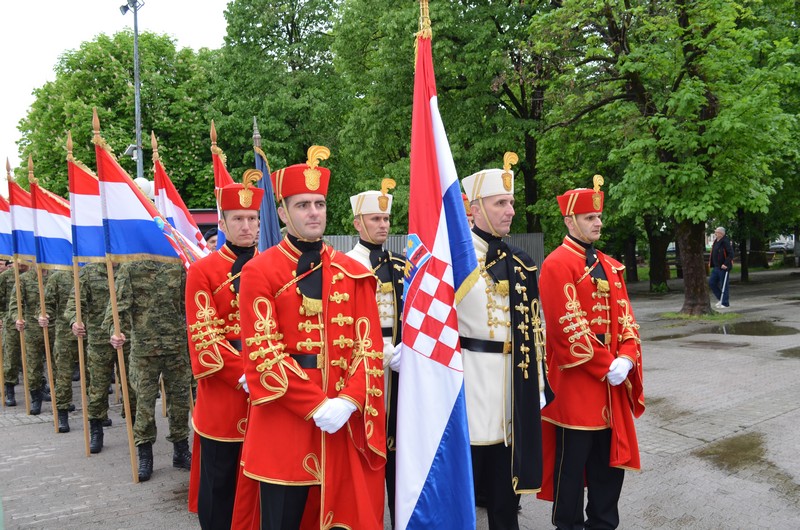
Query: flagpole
x,y
123,374
43,314
76,287
23,349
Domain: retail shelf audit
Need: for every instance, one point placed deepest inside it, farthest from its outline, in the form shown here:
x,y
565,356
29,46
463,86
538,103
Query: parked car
x,y
782,244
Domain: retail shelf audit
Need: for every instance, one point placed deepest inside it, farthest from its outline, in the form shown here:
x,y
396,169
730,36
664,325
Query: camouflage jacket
x,y
93,280
31,305
57,291
7,288
151,307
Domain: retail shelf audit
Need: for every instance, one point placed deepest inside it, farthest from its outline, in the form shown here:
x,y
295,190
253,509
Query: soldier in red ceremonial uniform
x,y
313,360
595,369
212,316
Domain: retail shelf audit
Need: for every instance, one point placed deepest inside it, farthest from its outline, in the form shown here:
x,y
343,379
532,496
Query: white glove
x,y
333,414
394,362
542,400
243,382
618,370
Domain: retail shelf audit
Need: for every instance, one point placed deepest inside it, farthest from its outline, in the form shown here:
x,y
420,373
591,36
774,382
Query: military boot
x,y
36,402
181,456
63,421
145,461
96,436
11,400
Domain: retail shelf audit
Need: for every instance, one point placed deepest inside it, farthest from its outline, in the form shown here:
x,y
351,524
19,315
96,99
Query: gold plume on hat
x,y
250,177
386,185
598,181
316,154
509,159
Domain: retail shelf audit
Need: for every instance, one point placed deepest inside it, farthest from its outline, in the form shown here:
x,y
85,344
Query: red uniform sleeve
x,y
210,352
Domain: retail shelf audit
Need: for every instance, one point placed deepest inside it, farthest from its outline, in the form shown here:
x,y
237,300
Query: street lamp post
x,y
135,6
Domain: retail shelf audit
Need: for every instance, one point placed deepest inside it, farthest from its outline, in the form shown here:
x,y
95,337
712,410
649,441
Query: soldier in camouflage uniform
x,y
150,302
12,356
34,335
57,291
100,355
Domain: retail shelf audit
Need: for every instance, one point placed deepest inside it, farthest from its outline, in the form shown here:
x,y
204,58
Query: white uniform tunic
x,y
484,314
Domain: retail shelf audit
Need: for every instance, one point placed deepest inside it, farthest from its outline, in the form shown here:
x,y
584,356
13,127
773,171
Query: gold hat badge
x,y
316,153
383,201
509,159
596,199
250,177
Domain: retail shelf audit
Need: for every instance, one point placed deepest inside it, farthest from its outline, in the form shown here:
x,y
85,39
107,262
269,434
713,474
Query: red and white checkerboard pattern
x,y
431,322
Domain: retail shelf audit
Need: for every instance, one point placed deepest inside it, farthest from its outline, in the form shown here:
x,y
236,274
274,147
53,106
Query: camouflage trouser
x,y
35,354
66,353
177,374
100,359
12,353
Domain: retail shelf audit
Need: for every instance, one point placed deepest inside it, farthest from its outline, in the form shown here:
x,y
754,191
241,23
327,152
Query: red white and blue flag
x,y
172,207
51,228
22,241
6,247
221,179
88,238
434,468
133,227
270,233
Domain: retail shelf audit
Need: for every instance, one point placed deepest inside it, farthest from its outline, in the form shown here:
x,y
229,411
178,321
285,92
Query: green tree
x,y
174,97
696,122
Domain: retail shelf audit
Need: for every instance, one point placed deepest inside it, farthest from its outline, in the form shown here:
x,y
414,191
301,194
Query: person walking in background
x,y
12,352
594,361
721,263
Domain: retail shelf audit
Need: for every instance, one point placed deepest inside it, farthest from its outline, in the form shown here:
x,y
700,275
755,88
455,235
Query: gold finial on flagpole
x,y
95,122
9,178
154,145
69,145
424,20
31,178
256,134
213,134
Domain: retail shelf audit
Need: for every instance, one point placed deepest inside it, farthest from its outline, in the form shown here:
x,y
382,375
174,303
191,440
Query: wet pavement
x,y
718,439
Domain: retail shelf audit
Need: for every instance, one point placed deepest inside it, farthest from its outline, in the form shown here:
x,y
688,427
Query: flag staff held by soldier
x,y
43,315
18,292
100,144
78,312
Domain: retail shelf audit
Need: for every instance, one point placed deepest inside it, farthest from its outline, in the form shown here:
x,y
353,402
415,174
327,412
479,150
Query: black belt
x,y
305,360
487,346
236,343
387,332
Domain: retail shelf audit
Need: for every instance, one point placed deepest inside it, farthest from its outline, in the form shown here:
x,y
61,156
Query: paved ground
x,y
719,438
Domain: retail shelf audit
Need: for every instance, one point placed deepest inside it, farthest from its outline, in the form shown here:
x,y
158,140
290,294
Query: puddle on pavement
x,y
755,328
664,409
747,451
790,353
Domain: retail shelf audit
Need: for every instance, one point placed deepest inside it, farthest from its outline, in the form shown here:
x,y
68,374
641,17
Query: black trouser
x,y
219,471
584,455
491,470
282,506
391,474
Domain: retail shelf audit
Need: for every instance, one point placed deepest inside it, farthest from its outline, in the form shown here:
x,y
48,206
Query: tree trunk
x,y
528,169
658,241
690,239
631,265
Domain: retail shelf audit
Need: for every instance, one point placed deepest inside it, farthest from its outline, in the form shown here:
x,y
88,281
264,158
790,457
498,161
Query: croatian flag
x,y
133,227
22,240
434,468
88,238
171,206
52,229
270,234
6,247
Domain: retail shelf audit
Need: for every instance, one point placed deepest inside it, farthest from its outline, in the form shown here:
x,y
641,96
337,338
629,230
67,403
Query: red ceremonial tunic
x,y
577,308
212,317
283,445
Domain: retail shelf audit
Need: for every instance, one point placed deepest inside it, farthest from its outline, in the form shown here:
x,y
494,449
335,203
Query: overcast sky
x,y
34,33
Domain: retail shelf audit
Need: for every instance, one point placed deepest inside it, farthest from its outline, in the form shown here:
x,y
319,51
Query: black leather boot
x,y
95,436
36,402
11,400
63,421
107,422
145,461
181,456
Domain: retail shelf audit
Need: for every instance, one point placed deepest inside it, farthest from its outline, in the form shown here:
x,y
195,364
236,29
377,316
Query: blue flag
x,y
270,234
